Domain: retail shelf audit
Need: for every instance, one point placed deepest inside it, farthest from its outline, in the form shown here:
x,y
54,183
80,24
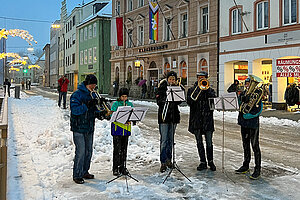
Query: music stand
x,y
175,94
123,115
226,102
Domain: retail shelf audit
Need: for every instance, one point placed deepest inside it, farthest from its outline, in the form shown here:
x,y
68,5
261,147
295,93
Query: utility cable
x,y
26,20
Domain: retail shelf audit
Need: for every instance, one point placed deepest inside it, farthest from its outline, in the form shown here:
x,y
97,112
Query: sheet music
x,y
128,113
177,93
227,101
138,114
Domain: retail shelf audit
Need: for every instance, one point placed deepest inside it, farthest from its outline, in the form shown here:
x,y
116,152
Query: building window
x,y
90,55
129,75
74,21
81,57
85,56
85,33
203,65
73,58
204,20
183,72
141,3
184,25
236,21
262,12
129,5
167,29
73,38
289,11
95,54
167,67
81,35
129,38
90,31
118,7
141,35
94,30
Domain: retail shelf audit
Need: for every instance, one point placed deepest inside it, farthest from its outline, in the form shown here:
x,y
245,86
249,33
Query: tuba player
x,y
201,122
249,123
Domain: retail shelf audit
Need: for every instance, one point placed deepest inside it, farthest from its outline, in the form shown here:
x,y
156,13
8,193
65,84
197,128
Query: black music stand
x,y
225,102
175,94
123,115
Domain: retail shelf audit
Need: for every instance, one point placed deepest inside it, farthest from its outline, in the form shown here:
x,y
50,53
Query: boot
x,y
169,164
242,170
212,166
163,167
88,176
116,172
202,166
78,180
256,174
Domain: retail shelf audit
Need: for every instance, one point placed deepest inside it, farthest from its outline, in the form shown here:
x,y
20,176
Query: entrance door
x,y
152,79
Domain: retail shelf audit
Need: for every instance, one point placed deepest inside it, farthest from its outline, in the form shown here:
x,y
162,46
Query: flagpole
x,y
166,20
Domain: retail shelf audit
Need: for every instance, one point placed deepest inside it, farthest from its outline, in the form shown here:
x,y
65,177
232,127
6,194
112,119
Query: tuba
x,y
256,93
203,84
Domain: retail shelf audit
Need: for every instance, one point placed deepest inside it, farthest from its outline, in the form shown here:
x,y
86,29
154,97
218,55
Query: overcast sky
x,y
45,10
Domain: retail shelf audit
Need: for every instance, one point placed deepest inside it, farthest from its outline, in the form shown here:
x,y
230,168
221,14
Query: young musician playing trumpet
x,y
167,122
201,120
120,133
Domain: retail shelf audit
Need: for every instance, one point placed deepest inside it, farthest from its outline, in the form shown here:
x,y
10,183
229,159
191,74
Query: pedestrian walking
x,y
29,84
144,90
201,121
7,85
116,88
23,84
62,90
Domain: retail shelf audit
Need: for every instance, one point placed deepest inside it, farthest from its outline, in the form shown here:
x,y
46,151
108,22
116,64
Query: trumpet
x,y
101,104
203,84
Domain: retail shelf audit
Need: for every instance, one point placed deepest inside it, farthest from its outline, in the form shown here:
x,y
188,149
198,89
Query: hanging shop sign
x,y
288,67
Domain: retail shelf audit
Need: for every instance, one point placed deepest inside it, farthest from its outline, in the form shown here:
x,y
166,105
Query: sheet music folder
x,y
127,113
227,101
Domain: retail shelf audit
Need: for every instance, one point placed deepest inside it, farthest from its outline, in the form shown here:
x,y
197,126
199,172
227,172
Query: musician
x,y
167,126
82,122
201,122
120,133
249,123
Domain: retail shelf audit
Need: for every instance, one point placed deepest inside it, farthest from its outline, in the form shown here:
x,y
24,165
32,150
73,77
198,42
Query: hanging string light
x,y
18,61
32,66
14,69
13,55
17,33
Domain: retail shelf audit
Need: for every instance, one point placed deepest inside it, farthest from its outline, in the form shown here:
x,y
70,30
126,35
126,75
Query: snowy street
x,y
41,151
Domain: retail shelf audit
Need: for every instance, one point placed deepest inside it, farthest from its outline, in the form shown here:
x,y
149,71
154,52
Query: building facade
x,y
253,36
46,68
54,56
94,47
187,43
3,73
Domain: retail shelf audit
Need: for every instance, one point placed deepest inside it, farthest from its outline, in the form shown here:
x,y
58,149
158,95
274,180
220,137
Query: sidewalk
x,y
280,114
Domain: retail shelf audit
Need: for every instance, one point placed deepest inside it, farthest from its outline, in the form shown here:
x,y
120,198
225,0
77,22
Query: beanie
x,y
123,91
171,73
90,79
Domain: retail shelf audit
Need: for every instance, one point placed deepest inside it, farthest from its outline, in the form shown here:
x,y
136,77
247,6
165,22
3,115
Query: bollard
x,y
17,92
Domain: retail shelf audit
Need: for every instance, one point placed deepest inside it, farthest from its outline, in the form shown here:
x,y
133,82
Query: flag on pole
x,y
117,31
153,21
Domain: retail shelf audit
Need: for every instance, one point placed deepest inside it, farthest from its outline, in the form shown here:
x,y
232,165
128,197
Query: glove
x,y
92,103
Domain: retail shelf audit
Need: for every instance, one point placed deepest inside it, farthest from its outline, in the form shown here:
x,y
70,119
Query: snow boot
x,y
163,167
202,166
212,166
88,176
78,180
242,170
169,164
256,174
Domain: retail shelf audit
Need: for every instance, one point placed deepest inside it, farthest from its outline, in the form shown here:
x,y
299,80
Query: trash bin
x,y
17,92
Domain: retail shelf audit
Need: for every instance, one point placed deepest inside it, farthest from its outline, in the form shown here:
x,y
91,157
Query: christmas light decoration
x,y
14,69
17,33
55,25
13,55
18,61
32,66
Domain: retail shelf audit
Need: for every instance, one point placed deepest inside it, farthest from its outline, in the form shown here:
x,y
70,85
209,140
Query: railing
x,y
3,146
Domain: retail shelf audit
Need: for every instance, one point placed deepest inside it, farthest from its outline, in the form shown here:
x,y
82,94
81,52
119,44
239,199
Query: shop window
x,y
262,15
183,72
129,75
289,11
167,67
203,65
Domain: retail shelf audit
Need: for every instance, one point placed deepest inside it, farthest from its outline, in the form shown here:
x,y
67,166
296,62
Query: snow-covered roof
x,y
106,11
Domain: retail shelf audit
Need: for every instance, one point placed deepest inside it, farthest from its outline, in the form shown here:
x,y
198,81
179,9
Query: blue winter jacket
x,y
82,118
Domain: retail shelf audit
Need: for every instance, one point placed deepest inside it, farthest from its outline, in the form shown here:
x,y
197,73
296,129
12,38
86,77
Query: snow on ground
x,y
41,150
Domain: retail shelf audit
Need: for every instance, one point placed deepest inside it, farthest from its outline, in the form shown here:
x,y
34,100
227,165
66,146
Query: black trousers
x,y
250,135
120,144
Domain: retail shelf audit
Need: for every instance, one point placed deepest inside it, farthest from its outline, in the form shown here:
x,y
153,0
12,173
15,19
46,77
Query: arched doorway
x,y
129,75
152,79
183,72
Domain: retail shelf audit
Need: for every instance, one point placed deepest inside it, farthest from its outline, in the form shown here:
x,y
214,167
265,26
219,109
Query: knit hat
x,y
123,91
90,79
171,73
202,73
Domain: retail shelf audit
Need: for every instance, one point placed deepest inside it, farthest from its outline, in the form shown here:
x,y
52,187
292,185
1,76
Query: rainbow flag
x,y
153,21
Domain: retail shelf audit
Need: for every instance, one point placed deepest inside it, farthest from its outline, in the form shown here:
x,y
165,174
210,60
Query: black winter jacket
x,y
173,114
201,117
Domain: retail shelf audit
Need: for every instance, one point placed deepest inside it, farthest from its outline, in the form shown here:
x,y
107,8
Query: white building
x,y
253,35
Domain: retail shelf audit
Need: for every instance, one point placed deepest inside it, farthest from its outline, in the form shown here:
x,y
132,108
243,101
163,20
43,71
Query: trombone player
x,y
201,120
248,119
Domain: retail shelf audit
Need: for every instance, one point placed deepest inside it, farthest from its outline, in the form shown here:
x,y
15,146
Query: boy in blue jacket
x,y
120,133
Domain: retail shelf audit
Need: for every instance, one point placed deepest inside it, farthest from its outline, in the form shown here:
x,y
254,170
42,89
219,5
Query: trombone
x,y
203,84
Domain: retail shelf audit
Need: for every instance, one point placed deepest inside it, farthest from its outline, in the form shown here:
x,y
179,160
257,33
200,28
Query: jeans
x,y
209,145
83,153
167,132
120,144
250,135
64,96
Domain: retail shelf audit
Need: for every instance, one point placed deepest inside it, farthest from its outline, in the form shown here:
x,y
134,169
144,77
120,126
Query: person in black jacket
x,y
6,82
167,124
249,123
234,87
82,121
201,122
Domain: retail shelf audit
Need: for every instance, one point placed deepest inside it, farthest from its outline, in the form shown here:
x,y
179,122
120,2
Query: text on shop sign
x,y
288,67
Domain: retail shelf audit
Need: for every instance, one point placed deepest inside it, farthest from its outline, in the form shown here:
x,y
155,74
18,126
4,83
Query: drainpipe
x,y
218,48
